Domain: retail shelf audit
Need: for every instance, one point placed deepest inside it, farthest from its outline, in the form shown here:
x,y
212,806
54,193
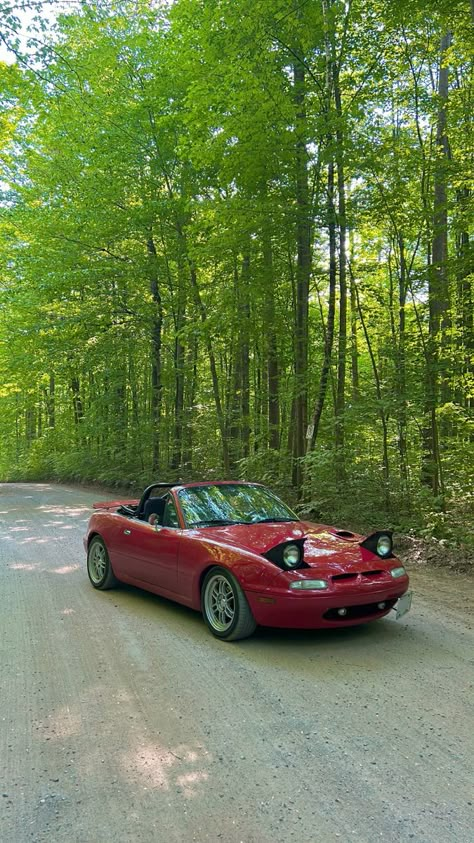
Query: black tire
x,y
224,606
99,568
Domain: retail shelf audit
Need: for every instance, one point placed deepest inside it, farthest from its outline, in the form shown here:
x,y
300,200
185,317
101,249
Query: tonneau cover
x,y
110,506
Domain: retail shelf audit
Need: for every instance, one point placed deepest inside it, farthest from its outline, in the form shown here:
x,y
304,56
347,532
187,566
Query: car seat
x,y
154,506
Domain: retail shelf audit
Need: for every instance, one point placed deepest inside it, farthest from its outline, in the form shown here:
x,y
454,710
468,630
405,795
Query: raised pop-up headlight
x,y
287,555
384,545
380,543
292,556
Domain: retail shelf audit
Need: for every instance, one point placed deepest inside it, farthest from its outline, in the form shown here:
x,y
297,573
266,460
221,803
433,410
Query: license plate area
x,y
403,604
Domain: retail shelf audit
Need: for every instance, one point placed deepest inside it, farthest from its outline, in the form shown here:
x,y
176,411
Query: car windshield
x,y
231,503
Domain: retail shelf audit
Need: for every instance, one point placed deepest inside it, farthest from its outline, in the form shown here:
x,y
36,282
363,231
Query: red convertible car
x,y
236,552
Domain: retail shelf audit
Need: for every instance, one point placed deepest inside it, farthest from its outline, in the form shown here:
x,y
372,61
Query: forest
x,y
236,242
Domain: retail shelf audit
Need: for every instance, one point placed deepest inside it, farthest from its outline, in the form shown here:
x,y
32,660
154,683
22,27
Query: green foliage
x,y
151,207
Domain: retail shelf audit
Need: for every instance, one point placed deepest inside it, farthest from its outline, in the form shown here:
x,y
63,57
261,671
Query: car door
x,y
153,550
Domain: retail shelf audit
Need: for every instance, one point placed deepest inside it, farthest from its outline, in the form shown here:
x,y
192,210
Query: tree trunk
x,y
156,384
342,345
381,410
272,349
50,401
77,400
189,401
401,366
234,403
303,269
354,339
245,354
214,377
329,338
465,270
438,291
178,364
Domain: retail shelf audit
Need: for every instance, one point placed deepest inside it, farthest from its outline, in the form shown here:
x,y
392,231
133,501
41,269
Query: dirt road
x,y
122,719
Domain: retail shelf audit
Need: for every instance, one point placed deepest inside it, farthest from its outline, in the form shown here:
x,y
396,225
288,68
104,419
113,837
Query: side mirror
x,y
157,527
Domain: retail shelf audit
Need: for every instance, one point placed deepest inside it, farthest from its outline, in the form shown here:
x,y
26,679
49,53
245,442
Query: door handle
x,y
127,532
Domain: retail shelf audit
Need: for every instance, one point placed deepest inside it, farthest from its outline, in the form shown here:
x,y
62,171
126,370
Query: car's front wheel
x,y
225,607
99,568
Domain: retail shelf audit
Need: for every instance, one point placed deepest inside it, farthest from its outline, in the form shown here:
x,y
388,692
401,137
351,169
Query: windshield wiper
x,y
218,522
273,520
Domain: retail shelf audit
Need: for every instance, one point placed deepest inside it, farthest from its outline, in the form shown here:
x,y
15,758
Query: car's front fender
x,y
197,556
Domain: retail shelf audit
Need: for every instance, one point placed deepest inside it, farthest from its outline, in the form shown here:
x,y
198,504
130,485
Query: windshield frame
x,y
187,492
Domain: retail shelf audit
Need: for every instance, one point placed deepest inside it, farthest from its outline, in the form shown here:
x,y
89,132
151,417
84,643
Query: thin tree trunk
x,y
77,400
329,338
178,362
234,403
383,417
189,401
438,290
214,377
157,325
272,349
354,338
342,344
245,354
257,407
303,269
465,270
401,366
50,400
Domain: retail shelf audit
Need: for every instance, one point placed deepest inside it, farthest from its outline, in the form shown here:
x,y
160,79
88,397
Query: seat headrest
x,y
154,506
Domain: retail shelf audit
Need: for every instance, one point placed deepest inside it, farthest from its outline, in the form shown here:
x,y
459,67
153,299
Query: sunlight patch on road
x,y
38,540
168,769
71,511
65,569
189,782
65,723
23,566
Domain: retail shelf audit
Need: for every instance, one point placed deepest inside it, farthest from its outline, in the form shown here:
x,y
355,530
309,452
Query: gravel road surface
x,y
122,719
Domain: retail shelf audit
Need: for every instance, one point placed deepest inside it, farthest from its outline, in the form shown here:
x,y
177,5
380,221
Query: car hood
x,y
324,546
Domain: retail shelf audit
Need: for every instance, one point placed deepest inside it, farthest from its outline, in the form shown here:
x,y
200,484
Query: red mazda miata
x,y
236,552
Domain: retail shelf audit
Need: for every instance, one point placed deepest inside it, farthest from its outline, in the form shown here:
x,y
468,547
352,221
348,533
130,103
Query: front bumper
x,y
319,609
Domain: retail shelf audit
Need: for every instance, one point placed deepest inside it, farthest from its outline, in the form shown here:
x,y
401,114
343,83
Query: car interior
x,y
154,506
153,501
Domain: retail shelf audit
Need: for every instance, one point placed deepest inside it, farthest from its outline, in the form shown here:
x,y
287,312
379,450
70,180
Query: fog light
x,y
381,605
398,572
342,612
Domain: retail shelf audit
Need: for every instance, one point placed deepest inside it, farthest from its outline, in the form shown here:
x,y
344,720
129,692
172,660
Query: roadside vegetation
x,y
236,241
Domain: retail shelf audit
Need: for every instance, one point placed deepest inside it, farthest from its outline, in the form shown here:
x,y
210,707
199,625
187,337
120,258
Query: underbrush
x,y
362,502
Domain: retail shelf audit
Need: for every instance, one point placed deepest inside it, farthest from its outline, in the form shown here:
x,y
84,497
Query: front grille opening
x,y
371,573
337,577
367,610
344,534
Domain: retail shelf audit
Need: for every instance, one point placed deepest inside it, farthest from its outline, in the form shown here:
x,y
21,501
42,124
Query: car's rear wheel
x,y
225,607
98,565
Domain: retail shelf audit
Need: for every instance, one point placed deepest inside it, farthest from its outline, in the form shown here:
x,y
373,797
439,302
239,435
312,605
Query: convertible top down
x,y
236,552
